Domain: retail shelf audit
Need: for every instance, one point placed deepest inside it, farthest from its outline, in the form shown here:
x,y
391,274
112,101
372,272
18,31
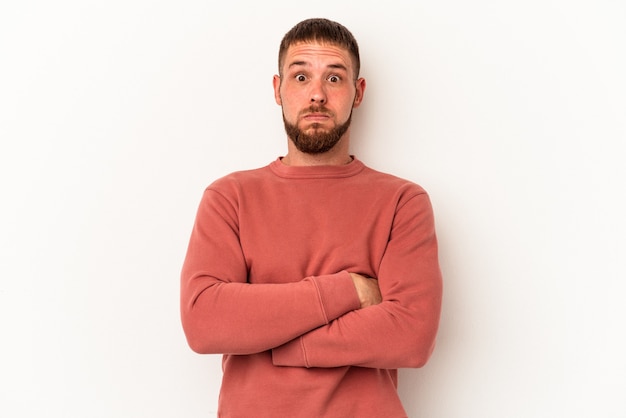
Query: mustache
x,y
316,109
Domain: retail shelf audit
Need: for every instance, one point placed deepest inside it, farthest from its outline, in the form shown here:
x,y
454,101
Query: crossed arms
x,y
333,320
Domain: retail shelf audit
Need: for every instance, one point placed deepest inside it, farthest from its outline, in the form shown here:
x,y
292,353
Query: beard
x,y
319,141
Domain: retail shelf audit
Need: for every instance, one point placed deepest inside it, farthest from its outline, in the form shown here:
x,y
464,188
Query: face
x,y
317,91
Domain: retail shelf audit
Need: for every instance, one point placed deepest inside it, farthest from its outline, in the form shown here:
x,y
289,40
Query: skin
x,y
322,76
318,75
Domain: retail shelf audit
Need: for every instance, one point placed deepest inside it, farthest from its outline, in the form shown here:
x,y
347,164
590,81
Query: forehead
x,y
314,53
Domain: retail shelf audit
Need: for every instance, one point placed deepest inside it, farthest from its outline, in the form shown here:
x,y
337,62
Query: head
x,y
318,83
321,31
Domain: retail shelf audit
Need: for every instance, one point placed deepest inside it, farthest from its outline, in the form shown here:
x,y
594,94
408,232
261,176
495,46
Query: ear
x,y
276,84
360,91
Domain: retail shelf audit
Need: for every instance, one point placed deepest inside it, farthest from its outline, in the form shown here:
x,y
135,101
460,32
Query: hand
x,y
367,289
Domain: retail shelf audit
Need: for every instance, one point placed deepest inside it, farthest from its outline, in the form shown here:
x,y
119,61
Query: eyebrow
x,y
304,64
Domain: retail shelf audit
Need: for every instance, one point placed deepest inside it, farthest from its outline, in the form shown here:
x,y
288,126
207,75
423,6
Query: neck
x,y
336,156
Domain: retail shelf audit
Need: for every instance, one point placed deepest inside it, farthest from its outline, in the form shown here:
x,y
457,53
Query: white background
x,y
115,115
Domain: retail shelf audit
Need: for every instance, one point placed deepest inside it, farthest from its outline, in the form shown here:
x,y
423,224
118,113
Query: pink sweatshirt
x,y
265,282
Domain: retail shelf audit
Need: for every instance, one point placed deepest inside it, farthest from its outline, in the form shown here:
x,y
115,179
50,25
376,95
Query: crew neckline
x,y
318,171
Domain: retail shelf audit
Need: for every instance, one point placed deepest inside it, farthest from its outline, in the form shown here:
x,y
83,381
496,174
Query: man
x,y
316,276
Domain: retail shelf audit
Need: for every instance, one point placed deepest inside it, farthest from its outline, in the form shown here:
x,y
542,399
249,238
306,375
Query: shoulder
x,y
239,179
411,201
387,181
227,191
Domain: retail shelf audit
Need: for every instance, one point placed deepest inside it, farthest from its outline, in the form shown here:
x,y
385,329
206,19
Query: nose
x,y
318,95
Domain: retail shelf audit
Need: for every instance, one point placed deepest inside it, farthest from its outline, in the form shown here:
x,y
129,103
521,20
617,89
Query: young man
x,y
316,276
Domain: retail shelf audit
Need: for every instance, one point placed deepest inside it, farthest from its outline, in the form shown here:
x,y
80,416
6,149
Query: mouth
x,y
316,117
317,114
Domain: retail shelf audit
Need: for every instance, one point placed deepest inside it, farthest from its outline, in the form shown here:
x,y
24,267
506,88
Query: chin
x,y
316,129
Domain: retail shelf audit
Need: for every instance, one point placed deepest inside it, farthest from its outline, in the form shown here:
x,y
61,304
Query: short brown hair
x,y
323,31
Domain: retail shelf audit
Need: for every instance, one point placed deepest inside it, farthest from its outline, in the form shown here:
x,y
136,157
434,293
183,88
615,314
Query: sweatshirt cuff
x,y
337,294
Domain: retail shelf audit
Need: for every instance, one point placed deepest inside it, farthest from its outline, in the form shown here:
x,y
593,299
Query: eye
x,y
334,79
300,77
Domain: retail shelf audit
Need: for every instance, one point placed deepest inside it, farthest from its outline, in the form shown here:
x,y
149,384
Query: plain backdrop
x,y
115,115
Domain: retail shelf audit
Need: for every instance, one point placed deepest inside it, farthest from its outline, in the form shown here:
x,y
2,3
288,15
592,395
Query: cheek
x,y
347,106
289,110
290,100
291,95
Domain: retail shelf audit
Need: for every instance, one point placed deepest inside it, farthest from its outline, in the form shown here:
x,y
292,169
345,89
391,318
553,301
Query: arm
x,y
367,289
400,331
222,313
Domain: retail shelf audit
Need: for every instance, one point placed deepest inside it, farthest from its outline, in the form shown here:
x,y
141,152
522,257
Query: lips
x,y
316,114
316,117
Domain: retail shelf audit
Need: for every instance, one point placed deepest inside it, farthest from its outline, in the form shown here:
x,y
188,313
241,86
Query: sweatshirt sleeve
x,y
222,313
400,331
